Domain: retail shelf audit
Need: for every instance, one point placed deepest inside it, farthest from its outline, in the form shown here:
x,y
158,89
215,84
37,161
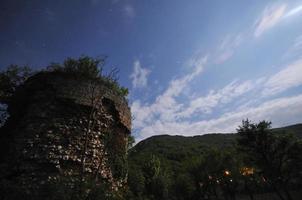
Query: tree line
x,y
260,162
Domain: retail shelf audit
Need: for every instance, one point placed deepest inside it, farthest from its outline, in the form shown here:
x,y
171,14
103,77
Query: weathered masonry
x,y
66,129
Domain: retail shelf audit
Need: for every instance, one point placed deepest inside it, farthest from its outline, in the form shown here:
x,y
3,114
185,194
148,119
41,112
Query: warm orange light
x,y
227,173
245,171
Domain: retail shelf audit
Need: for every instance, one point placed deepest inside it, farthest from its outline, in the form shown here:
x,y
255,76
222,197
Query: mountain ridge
x,y
290,128
175,151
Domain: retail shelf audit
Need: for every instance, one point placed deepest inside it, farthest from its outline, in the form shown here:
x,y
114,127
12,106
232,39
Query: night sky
x,y
192,67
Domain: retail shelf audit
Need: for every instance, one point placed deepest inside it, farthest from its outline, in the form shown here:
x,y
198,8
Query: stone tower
x,y
65,129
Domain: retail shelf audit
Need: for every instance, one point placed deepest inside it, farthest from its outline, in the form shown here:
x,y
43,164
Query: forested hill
x,y
176,150
294,129
212,139
179,167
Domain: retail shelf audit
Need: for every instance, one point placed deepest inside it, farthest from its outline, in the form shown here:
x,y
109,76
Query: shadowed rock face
x,y
64,128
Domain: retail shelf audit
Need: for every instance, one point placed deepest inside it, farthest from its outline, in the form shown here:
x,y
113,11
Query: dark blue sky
x,y
192,66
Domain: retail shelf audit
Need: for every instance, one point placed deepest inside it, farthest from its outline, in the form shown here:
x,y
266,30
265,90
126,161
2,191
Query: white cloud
x,y
295,50
290,76
205,104
298,43
165,105
281,111
224,56
270,17
139,75
294,11
228,47
166,111
168,116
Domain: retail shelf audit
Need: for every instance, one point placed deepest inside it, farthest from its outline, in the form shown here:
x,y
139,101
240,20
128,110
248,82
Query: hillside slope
x,y
175,151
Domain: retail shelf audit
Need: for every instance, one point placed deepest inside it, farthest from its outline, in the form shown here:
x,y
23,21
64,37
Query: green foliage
x,y
116,155
84,66
177,152
130,141
213,166
91,68
158,187
215,171
10,79
151,168
184,186
136,181
276,157
150,180
3,114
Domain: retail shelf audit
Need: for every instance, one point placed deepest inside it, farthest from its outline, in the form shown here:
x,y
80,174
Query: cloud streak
x,y
239,99
294,11
295,50
168,116
228,47
139,75
271,16
205,104
290,76
278,110
165,105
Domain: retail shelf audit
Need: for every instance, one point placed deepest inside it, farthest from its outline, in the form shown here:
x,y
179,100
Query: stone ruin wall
x,y
82,92
54,124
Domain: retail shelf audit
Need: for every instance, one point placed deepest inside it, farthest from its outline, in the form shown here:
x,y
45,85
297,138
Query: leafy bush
x,y
90,68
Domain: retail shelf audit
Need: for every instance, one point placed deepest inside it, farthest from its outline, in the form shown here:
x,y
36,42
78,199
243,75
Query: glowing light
x,y
245,171
227,173
294,11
